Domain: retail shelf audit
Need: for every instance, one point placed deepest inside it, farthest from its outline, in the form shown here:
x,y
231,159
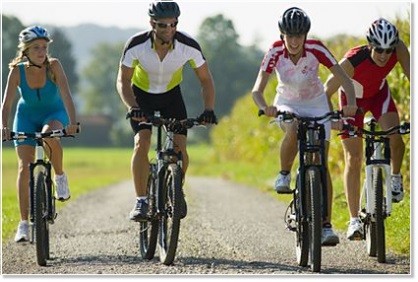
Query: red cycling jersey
x,y
366,72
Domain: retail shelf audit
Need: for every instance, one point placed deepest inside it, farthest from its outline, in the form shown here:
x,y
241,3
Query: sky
x,y
254,21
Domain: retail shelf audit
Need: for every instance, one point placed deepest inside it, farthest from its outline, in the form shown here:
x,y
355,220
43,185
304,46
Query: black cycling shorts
x,y
170,105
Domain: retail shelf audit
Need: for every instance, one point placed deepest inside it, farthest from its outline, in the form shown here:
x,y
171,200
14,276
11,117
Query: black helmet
x,y
294,22
164,9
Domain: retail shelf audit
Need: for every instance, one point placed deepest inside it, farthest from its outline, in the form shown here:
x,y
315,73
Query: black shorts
x,y
170,105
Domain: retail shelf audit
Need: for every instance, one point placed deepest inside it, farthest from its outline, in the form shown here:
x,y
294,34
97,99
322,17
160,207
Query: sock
x,y
141,198
284,172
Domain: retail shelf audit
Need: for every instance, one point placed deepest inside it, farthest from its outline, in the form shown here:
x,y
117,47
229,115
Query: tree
x,y
99,91
234,67
61,48
10,38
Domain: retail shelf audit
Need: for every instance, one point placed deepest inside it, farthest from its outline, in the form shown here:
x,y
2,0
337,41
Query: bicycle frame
x,y
377,156
41,163
311,139
166,200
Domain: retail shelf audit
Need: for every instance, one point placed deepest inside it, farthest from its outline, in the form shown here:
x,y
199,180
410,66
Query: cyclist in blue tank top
x,y
45,104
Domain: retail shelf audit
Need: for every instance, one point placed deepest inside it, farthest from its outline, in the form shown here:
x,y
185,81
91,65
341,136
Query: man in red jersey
x,y
368,67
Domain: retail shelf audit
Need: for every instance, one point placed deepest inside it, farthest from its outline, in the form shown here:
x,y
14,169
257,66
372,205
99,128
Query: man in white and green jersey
x,y
150,73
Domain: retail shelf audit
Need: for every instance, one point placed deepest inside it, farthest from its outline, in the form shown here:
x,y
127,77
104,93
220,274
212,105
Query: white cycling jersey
x,y
298,82
153,75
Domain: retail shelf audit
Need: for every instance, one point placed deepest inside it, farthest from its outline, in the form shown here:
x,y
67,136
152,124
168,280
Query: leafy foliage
x,y
11,26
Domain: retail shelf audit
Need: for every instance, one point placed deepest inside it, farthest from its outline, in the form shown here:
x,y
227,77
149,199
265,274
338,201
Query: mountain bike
x,y
42,211
166,200
309,206
376,196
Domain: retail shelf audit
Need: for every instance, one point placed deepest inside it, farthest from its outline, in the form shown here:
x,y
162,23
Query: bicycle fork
x,y
378,157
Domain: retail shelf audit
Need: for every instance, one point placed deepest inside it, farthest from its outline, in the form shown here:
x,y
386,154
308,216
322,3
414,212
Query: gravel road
x,y
230,229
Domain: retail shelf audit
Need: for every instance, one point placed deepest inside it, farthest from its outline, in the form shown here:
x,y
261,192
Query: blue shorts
x,y
34,122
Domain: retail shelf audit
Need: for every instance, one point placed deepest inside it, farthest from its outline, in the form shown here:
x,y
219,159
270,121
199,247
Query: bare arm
x,y
341,76
404,58
208,87
62,82
9,96
258,94
124,88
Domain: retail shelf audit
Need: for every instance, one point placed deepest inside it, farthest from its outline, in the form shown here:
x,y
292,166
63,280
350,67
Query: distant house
x,y
94,132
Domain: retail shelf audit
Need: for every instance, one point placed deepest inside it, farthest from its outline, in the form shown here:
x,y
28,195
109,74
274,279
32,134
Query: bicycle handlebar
x,y
285,116
173,124
59,133
404,128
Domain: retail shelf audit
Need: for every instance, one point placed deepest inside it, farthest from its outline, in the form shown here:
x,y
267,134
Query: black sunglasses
x,y
165,25
381,50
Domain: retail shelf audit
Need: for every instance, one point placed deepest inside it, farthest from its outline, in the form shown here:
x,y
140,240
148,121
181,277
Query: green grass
x,y
87,169
90,169
262,175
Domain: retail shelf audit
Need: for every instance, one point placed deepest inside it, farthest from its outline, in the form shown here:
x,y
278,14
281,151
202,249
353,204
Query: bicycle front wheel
x,y
302,230
170,222
41,219
314,194
379,216
148,230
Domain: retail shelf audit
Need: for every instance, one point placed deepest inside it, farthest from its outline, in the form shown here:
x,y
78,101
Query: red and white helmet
x,y
382,34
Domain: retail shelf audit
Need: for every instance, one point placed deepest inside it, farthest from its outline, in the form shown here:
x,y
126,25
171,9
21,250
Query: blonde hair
x,y
21,57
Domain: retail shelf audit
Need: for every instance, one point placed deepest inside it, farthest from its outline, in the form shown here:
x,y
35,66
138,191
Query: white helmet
x,y
32,33
382,34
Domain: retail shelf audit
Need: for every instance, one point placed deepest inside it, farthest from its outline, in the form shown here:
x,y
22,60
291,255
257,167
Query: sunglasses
x,y
165,25
381,50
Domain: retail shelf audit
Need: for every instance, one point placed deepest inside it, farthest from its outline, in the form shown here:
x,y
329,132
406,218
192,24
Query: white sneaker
x,y
329,238
62,192
282,184
22,233
355,230
397,188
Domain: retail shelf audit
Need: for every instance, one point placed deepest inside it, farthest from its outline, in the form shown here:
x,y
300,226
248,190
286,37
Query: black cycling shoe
x,y
140,211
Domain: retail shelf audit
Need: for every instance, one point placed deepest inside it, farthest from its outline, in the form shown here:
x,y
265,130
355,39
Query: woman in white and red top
x,y
296,61
368,67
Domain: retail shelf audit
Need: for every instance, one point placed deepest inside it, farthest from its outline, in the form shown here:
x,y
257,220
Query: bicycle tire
x,y
148,230
40,219
369,226
379,216
314,193
370,230
302,232
169,230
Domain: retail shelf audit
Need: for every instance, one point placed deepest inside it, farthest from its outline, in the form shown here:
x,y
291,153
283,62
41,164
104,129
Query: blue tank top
x,y
42,100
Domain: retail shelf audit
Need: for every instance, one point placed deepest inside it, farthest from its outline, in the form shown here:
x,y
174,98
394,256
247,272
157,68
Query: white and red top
x,y
298,82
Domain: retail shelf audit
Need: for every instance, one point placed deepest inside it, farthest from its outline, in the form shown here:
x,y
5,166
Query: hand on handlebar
x,y
72,129
5,134
208,116
136,114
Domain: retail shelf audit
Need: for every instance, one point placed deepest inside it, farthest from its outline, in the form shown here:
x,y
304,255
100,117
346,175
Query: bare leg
x,y
353,154
140,162
25,156
397,146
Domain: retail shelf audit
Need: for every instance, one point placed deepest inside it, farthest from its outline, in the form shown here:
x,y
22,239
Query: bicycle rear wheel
x,y
170,222
148,230
379,216
302,230
41,219
314,194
